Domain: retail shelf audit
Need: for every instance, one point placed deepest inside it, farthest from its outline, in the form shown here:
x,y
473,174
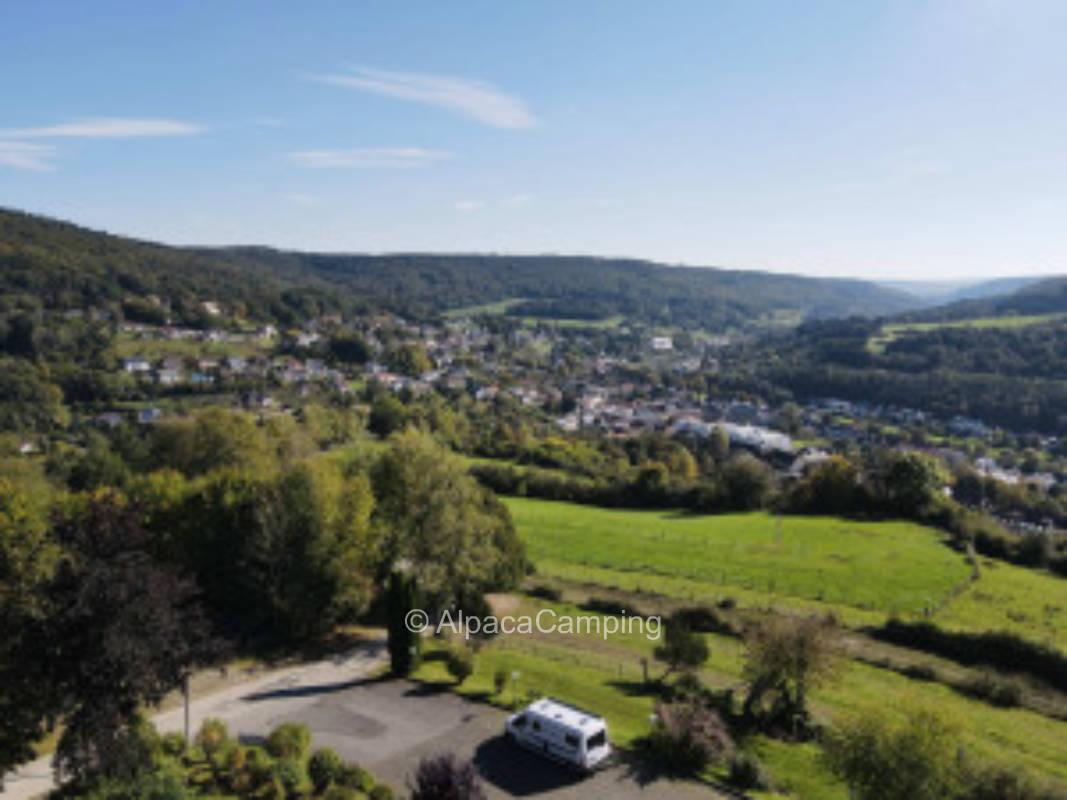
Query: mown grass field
x,y
880,567
862,571
561,322
605,675
888,333
1023,601
498,307
128,345
503,306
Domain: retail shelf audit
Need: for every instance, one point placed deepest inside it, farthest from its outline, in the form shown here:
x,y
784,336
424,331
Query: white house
x,y
170,377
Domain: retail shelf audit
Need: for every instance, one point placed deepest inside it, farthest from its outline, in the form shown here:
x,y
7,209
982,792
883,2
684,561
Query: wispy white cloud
x,y
26,155
396,157
467,206
478,99
106,128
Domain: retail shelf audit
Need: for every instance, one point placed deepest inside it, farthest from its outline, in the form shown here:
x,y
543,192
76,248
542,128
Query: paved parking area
x,y
387,726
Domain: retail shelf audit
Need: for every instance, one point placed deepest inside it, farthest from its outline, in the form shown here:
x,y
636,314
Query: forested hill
x,y
1045,296
583,287
58,266
65,266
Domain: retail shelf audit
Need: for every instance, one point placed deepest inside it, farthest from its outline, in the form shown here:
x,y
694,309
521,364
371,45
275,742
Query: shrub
x,y
474,604
445,777
682,648
999,650
687,685
240,774
381,792
994,689
605,605
289,740
292,774
746,772
336,792
920,672
883,756
236,757
259,765
785,658
173,744
460,663
212,736
274,789
355,777
546,593
1003,783
404,645
324,768
155,785
500,680
688,736
702,619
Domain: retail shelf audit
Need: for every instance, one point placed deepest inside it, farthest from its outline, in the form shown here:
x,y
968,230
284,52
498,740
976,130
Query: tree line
x,y
108,596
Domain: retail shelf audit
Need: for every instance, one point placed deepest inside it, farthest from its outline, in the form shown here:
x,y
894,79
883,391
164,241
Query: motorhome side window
x,y
536,725
595,740
571,740
520,721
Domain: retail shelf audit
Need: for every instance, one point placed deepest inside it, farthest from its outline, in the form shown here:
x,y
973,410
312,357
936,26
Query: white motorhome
x,y
561,732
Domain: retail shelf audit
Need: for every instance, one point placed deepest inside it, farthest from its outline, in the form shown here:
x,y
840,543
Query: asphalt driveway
x,y
388,725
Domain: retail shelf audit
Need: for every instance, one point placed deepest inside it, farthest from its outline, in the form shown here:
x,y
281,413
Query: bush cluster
x,y
999,650
222,767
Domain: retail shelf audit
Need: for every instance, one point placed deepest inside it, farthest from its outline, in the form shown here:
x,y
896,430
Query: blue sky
x,y
903,140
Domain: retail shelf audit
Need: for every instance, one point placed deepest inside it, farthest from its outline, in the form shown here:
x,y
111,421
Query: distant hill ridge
x,y
67,266
1035,296
939,293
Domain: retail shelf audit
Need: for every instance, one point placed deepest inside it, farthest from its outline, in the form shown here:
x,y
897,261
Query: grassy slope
x,y
498,307
604,675
888,333
1027,602
883,567
656,552
128,345
502,306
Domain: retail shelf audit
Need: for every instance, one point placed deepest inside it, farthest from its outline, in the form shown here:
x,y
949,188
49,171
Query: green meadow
x,y
864,572
605,675
881,567
128,345
559,322
503,306
497,307
888,333
1026,602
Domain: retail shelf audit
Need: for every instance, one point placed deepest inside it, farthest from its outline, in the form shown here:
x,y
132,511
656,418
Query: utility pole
x,y
185,692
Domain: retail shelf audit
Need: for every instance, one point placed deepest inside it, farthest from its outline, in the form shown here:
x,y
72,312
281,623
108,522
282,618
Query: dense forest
x,y
67,267
1015,377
